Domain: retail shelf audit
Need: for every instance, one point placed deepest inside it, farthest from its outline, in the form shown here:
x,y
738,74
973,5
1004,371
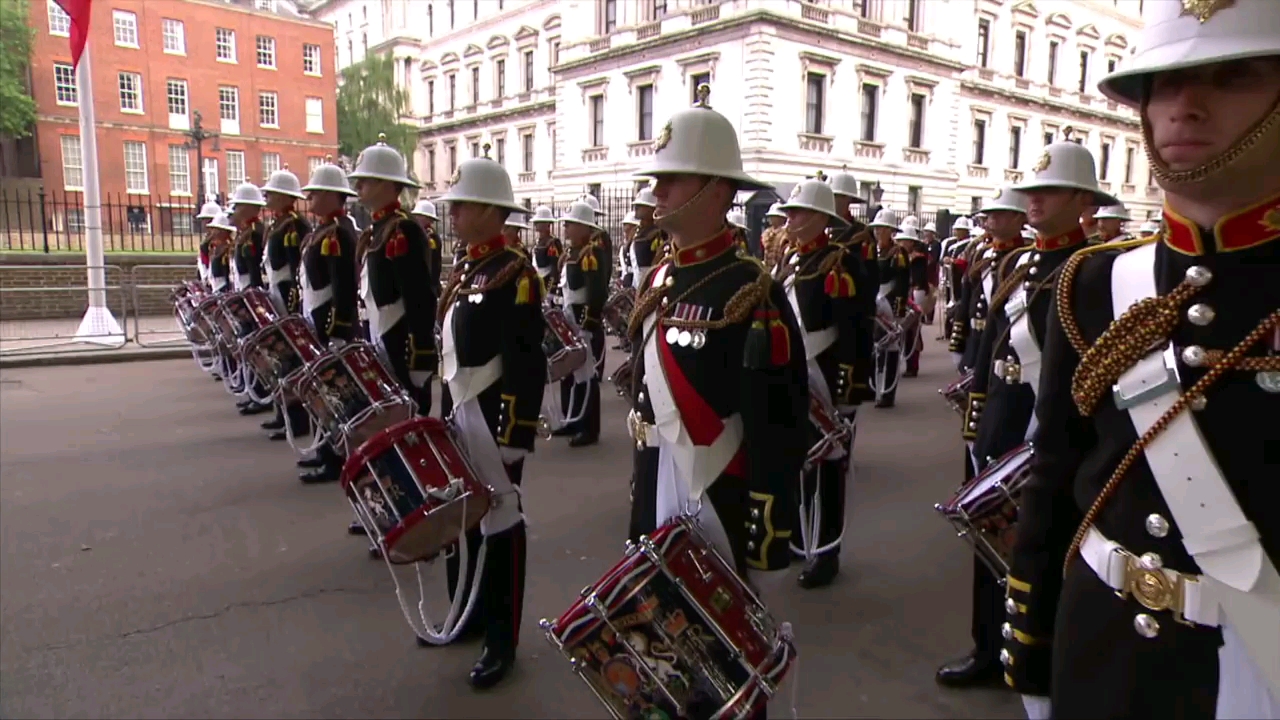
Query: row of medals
x,y
684,338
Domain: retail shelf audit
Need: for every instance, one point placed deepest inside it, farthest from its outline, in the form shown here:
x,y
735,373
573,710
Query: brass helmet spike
x,y
286,166
820,176
1067,132
328,159
703,93
486,147
382,138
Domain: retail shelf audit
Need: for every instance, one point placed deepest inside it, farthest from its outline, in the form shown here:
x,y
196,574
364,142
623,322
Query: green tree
x,y
17,109
369,103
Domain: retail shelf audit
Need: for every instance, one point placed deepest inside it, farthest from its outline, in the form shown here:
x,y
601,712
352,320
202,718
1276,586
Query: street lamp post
x,y
195,141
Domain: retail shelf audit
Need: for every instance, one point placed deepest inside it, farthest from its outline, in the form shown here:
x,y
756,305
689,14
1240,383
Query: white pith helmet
x,y
775,210
329,178
582,214
736,218
814,195
1028,232
930,226
1181,35
908,231
543,214
1007,198
246,193
910,221
963,223
516,221
883,219
1112,212
222,221
283,182
593,202
485,182
1150,227
426,209
631,219
382,162
645,198
1067,165
208,211
844,183
700,141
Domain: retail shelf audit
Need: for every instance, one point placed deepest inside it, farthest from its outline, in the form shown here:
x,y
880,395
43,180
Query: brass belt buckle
x,y
1012,373
637,429
1155,588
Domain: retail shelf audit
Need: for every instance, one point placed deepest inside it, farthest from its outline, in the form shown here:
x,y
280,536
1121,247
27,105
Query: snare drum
x,y
281,348
671,632
352,395
957,393
195,326
617,311
563,343
245,313
414,489
984,510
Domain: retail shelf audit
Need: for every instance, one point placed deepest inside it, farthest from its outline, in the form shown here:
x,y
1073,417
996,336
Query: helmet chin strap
x,y
669,220
1171,180
805,232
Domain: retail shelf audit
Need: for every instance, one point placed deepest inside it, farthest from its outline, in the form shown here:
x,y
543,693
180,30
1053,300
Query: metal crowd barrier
x,y
43,335
155,330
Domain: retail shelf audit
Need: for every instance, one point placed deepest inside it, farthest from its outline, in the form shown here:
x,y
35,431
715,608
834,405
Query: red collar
x,y
287,212
340,212
393,207
813,245
483,250
1241,230
708,250
1075,237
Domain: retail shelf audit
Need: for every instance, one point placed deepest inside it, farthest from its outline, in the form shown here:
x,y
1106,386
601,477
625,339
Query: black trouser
x,y
446,400
988,600
589,423
644,492
396,341
500,605
827,480
889,362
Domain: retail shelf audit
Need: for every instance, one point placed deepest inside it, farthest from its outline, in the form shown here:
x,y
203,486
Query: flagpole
x,y
98,326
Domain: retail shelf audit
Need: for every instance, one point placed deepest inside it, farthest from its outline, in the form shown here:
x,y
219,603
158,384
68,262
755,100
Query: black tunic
x,y
895,273
830,289
585,269
397,265
546,258
248,249
284,237
328,255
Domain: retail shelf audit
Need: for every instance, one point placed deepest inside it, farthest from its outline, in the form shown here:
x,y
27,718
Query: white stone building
x,y
938,102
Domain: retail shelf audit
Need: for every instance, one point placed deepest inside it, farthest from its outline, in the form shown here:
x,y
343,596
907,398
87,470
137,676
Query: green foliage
x,y
369,103
17,109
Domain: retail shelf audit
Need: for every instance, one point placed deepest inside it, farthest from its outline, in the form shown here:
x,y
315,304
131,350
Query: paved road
x,y
160,560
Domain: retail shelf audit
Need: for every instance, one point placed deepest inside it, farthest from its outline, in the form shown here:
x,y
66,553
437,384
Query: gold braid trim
x,y
979,262
1066,312
735,310
829,261
457,278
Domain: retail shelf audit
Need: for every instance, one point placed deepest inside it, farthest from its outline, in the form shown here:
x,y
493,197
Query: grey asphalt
x,y
161,560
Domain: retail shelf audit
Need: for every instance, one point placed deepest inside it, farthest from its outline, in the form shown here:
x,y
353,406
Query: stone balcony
x,y
813,142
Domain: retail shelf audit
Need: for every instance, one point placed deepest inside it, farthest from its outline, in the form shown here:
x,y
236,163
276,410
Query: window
x,y
235,169
475,86
554,60
313,164
913,15
610,17
984,41
500,78
65,91
979,142
1053,62
697,81
229,103
1104,161
453,159
175,36
59,21
1020,53
130,92
870,112
644,112
176,100
526,152
597,120
916,130
179,170
315,115
528,71
975,204
270,164
1048,137
913,199
431,164
1111,65
431,97
475,148
125,25
1015,147
500,150
659,10
266,52
1128,165
1084,70
864,8
209,176
453,90
225,42
135,167
311,59
72,163
814,105
268,110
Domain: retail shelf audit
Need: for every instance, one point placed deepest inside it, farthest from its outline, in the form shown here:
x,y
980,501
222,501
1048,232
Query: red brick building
x,y
260,75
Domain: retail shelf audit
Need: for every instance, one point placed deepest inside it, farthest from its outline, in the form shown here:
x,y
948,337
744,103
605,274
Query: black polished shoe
x,y
311,462
970,671
319,475
254,408
278,435
244,403
491,668
273,424
819,572
355,528
583,440
882,404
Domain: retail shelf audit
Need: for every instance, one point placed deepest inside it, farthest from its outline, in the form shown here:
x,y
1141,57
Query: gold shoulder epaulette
x,y
1066,286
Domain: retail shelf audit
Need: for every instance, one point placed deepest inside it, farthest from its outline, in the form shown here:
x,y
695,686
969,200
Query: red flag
x,y
80,11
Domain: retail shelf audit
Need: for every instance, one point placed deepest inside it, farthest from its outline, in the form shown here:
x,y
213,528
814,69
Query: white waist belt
x,y
1121,570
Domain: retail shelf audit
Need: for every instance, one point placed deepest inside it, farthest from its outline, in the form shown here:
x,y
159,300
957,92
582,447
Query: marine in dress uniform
x,y
738,224
546,249
649,240
394,276
629,227
1111,220
492,359
952,273
1006,213
220,232
280,260
1143,580
823,290
918,280
327,289
933,249
513,231
722,349
601,236
971,309
773,242
246,260
424,213
584,286
894,289
862,246
1149,229
208,212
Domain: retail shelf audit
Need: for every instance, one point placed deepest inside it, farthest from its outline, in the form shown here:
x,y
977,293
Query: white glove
x,y
1037,707
957,358
511,455
420,378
